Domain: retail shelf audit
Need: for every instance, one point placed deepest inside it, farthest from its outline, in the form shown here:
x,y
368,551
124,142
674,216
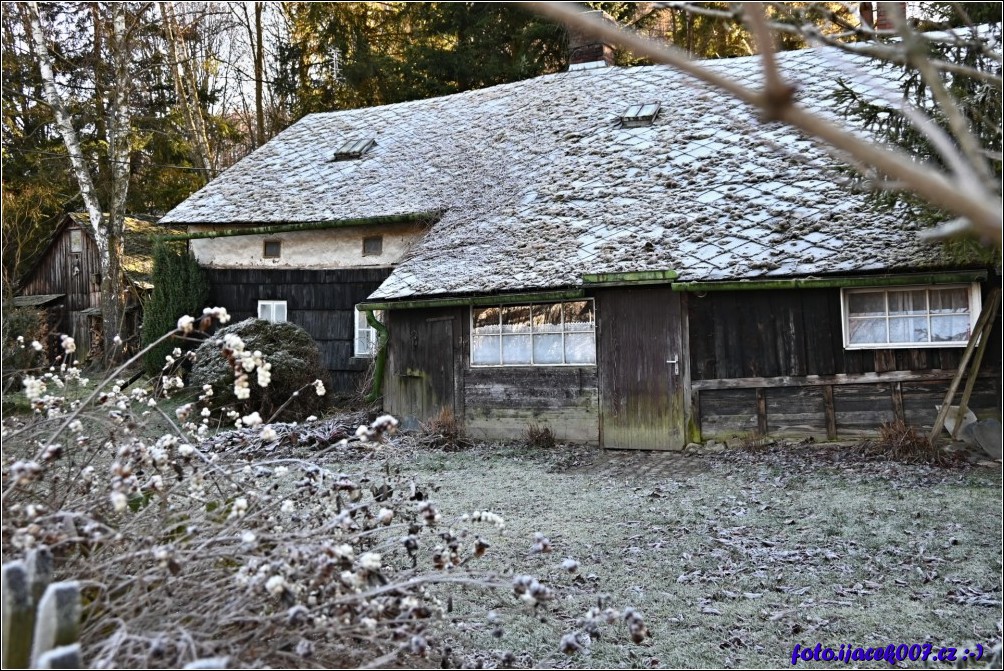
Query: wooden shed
x,y
69,272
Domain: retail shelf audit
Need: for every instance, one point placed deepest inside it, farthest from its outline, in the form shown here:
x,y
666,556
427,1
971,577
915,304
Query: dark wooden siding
x,y
858,409
420,379
785,339
641,395
501,402
55,274
320,301
428,368
788,333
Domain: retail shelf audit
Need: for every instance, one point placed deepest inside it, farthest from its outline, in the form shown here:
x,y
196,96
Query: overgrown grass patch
x,y
735,566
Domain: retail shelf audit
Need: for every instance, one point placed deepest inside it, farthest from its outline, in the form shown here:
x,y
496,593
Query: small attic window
x,y
354,149
373,246
640,115
76,241
272,249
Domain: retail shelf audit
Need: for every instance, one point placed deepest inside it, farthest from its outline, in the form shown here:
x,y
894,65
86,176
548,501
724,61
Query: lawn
x,y
733,559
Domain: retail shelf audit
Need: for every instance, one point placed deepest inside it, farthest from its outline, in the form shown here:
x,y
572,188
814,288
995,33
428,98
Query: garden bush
x,y
186,552
25,331
294,376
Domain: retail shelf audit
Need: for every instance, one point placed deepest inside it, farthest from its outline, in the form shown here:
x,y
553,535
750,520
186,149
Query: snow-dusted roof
x,y
538,182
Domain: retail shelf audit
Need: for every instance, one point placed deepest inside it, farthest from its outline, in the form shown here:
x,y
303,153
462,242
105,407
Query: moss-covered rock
x,y
296,363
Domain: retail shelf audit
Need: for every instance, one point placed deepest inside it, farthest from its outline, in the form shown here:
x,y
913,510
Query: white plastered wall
x,y
330,248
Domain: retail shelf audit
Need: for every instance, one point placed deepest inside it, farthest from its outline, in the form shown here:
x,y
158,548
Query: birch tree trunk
x,y
107,228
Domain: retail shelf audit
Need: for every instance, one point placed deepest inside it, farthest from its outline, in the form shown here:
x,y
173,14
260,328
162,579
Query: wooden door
x,y
639,334
421,366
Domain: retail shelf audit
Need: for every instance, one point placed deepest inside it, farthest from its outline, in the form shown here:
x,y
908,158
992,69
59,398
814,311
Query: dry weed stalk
x,y
188,550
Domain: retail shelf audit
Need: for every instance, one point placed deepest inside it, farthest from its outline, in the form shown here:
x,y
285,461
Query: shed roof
x,y
539,182
137,243
38,301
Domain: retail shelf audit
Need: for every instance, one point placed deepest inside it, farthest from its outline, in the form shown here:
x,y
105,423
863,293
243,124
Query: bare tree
x,y
106,222
187,90
965,188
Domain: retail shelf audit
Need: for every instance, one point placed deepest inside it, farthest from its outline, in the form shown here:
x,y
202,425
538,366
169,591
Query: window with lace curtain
x,y
933,316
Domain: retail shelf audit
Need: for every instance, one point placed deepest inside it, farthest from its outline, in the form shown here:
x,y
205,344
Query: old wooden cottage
x,y
616,253
66,279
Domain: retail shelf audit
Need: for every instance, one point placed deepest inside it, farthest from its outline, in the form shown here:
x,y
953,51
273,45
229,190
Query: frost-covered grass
x,y
731,567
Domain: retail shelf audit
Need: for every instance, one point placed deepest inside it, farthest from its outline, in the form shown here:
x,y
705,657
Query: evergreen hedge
x,y
179,288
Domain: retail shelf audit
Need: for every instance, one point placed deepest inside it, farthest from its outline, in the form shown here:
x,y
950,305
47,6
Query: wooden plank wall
x,y
501,402
420,378
773,362
320,301
496,403
54,274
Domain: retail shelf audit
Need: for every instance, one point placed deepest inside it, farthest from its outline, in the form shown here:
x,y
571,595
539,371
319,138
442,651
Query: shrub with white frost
x,y
260,366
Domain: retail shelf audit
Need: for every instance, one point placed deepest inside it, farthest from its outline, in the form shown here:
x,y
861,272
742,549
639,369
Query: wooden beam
x,y
821,380
831,413
761,410
630,278
826,282
454,301
269,229
973,371
985,318
897,401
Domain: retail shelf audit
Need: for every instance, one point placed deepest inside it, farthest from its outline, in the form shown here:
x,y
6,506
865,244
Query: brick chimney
x,y
884,15
586,50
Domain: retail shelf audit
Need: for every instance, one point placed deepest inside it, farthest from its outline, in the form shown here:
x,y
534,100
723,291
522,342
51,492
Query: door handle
x,y
676,364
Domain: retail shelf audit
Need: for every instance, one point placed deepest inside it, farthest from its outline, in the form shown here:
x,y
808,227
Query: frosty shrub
x,y
292,365
21,328
186,548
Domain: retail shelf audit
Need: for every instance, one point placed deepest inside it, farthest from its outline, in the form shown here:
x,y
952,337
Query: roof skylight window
x,y
354,149
640,115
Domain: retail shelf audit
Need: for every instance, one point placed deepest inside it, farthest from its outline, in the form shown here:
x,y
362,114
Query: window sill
x,y
933,345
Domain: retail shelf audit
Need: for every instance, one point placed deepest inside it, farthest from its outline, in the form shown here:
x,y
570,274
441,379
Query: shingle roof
x,y
137,242
539,183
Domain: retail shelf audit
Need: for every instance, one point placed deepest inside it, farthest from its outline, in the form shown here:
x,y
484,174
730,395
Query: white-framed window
x,y
272,311
365,335
536,334
913,316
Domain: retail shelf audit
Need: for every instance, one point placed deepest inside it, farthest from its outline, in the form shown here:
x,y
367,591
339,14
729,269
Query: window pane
x,y
279,311
485,350
950,329
908,302
361,322
364,344
76,240
908,329
580,348
949,300
486,321
866,304
547,317
265,311
516,319
579,316
547,348
862,331
515,349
